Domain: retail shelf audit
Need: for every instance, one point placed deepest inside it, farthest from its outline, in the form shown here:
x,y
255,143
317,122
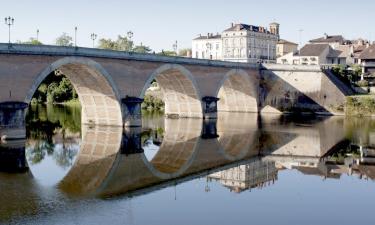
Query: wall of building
x,y
242,46
200,49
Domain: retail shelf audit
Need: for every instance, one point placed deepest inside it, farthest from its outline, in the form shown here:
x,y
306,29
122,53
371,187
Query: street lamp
x,y
93,38
75,36
175,47
130,35
37,35
9,21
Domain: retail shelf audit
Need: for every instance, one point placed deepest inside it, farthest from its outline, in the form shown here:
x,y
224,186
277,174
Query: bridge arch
x,y
237,92
96,90
180,93
178,149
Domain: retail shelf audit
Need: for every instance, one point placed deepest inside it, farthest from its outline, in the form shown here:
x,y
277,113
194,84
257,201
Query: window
x,y
197,54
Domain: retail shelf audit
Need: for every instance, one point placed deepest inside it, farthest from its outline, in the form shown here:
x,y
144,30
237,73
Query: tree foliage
x,y
142,49
31,41
167,53
121,44
55,89
64,40
184,51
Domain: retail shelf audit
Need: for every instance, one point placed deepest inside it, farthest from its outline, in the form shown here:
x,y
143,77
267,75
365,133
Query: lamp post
x,y
37,35
9,21
93,38
130,35
300,45
75,36
175,47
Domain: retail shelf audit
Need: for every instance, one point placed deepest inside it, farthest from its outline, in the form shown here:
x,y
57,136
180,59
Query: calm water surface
x,y
242,169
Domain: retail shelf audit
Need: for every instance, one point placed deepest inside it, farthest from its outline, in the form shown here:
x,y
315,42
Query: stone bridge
x,y
111,85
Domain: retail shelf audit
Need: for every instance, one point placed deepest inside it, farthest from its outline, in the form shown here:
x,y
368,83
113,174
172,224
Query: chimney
x,y
232,25
208,35
325,35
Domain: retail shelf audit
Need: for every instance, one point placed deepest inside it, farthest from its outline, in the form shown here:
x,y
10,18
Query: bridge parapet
x,y
52,50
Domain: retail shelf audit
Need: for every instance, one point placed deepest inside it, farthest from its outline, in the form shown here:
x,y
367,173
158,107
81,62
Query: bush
x,y
152,103
363,83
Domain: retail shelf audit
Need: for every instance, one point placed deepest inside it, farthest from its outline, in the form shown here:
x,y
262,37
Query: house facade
x,y
284,47
239,43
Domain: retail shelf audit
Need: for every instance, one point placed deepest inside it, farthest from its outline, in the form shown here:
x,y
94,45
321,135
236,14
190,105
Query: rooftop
x,y
282,41
247,27
209,36
368,53
329,39
313,49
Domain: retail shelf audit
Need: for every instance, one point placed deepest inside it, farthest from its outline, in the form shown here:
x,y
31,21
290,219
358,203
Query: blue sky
x,y
158,23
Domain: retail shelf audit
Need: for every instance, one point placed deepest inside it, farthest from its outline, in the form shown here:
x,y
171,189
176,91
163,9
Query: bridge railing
x,y
52,50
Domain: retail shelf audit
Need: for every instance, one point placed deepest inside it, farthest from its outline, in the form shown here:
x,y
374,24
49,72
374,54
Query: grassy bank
x,y
360,105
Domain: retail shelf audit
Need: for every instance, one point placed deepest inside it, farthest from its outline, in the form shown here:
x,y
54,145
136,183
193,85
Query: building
x,y
367,60
284,47
207,47
314,54
333,41
257,174
239,43
248,43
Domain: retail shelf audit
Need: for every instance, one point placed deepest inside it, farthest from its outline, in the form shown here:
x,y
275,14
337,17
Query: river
x,y
240,169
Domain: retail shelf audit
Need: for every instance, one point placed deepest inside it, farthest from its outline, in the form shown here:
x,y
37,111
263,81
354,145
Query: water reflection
x,y
239,151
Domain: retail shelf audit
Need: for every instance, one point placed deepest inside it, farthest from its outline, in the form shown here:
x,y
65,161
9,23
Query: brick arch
x,y
237,92
96,90
180,93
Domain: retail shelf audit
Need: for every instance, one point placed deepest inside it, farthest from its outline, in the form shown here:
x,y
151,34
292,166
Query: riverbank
x,y
360,105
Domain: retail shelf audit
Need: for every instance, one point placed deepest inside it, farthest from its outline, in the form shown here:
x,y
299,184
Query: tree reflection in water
x,y
53,130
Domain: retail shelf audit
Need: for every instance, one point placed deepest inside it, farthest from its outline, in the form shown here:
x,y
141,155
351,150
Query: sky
x,y
159,23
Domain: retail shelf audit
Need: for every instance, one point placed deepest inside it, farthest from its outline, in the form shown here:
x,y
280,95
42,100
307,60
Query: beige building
x,y
332,40
314,54
239,43
257,174
284,47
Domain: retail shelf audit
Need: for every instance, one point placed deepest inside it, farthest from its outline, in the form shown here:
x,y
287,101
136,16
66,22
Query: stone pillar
x,y
12,120
132,141
132,112
210,107
13,157
209,130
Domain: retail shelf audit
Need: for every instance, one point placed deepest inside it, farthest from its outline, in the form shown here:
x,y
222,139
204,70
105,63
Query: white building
x,y
239,43
314,54
207,47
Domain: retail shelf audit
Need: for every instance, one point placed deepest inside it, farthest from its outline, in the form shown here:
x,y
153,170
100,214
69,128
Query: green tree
x,y
64,40
121,44
31,41
167,53
184,51
107,44
142,49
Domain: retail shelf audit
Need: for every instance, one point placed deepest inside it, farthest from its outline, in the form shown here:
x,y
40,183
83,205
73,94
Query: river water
x,y
242,169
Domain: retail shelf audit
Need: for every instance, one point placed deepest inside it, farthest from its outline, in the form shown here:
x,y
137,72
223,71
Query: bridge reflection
x,y
241,151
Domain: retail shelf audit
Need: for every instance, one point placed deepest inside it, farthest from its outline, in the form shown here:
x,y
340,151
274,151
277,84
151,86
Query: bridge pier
x,y
209,107
209,129
132,111
131,141
12,120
